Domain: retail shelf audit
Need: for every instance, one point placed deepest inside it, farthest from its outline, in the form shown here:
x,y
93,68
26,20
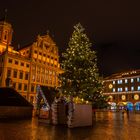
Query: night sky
x,y
113,27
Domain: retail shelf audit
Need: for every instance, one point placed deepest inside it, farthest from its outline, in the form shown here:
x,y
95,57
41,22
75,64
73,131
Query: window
x,y
50,72
119,81
21,75
32,88
14,85
132,88
35,51
16,62
138,79
27,65
33,78
113,89
126,88
8,72
15,74
22,64
5,35
9,60
119,89
26,76
19,86
126,81
25,87
132,80
138,87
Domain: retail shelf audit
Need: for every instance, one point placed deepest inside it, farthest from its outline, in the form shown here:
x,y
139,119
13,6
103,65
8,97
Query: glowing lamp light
x,y
136,96
87,102
123,97
110,86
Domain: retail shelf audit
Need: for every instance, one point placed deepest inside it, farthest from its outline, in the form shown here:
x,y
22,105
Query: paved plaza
x,y
106,126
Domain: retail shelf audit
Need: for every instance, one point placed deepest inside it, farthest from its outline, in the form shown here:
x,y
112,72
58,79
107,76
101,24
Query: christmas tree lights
x,y
80,78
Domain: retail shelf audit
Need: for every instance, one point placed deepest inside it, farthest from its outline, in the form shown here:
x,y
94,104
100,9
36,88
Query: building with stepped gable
x,y
31,65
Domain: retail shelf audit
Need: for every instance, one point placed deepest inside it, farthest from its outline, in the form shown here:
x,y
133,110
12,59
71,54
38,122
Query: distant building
x,y
123,90
32,65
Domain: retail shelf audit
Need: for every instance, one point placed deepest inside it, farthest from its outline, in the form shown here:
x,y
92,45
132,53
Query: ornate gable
x,y
46,43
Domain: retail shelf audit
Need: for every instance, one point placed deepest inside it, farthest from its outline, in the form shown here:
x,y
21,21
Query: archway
x,y
137,106
130,106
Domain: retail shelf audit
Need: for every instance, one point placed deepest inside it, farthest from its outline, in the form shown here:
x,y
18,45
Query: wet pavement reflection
x,y
106,126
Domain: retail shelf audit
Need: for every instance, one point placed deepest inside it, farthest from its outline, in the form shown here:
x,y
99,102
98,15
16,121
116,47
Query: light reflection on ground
x,y
106,126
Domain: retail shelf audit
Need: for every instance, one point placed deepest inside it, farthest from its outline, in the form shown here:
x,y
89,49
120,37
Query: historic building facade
x,y
123,90
32,65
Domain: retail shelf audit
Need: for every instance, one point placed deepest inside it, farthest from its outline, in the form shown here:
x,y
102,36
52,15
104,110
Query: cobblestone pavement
x,y
106,126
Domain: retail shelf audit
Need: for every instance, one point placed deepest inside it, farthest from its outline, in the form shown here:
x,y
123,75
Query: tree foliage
x,y
79,62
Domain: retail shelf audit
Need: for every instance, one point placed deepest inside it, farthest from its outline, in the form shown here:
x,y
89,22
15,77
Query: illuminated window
x,y
138,79
50,72
126,81
132,80
113,89
126,88
119,81
119,89
132,88
138,87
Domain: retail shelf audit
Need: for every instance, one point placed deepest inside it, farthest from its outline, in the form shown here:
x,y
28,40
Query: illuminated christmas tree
x,y
80,77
